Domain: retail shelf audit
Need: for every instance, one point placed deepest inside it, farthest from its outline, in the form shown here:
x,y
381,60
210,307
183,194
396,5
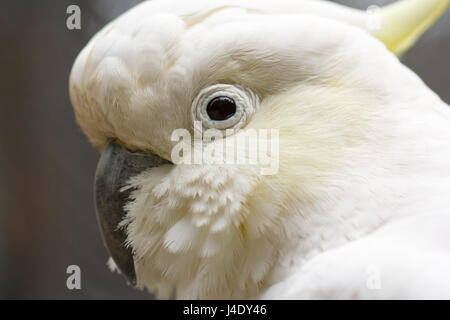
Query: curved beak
x,y
115,167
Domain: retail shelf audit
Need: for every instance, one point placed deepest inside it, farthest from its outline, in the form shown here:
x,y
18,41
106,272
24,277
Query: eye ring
x,y
245,104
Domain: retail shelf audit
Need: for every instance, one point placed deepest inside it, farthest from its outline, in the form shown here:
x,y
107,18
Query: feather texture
x,y
364,152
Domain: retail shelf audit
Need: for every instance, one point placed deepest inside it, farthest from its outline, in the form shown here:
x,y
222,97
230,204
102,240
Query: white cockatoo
x,y
359,203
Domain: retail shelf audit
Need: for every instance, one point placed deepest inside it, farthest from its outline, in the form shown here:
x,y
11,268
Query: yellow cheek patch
x,y
318,126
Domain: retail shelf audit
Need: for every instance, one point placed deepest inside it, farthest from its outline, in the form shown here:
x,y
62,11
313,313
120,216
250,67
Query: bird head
x,y
309,79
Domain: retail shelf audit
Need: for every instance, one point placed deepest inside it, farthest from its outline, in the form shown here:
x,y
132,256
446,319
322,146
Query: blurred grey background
x,y
47,219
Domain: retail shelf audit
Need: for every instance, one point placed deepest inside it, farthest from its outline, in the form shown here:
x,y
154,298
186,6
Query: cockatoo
x,y
359,204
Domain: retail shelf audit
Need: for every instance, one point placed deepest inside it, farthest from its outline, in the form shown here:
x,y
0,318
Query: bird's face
x,y
306,72
151,64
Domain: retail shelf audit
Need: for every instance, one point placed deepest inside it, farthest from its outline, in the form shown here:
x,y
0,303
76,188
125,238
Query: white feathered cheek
x,y
224,107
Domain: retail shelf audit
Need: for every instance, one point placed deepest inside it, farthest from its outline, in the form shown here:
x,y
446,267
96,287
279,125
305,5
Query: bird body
x,y
359,206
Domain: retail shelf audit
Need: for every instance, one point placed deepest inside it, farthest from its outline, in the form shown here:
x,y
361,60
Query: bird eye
x,y
221,108
224,106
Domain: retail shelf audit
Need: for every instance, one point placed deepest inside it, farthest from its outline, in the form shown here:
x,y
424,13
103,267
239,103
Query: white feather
x,y
364,172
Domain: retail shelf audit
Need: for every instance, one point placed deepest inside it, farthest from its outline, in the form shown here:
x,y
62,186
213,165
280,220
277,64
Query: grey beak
x,y
115,167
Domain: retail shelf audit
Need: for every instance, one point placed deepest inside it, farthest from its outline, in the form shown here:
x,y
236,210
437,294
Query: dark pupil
x,y
221,108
